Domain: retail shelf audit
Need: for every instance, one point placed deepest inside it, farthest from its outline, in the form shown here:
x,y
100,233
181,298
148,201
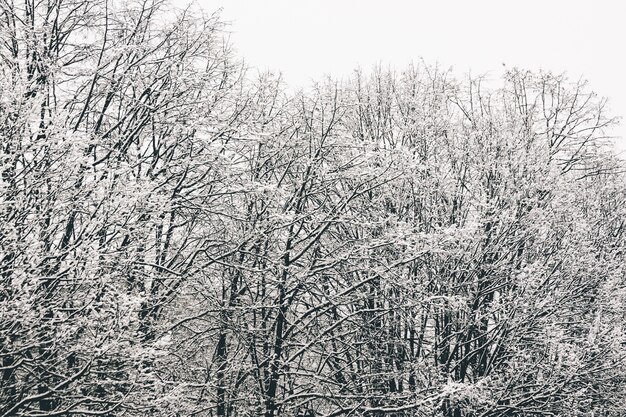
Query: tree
x,y
109,154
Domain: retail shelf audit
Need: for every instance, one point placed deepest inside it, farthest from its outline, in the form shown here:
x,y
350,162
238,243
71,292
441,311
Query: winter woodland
x,y
181,236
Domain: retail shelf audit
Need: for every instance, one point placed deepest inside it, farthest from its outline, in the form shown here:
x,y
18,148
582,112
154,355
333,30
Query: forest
x,y
181,235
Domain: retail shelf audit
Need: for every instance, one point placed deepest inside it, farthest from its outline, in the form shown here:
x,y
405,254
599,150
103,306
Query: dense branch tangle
x,y
180,238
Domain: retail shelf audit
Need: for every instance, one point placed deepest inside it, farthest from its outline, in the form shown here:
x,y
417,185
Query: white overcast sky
x,y
307,39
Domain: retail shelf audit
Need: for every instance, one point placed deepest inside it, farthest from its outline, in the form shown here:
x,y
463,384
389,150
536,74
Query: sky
x,y
306,40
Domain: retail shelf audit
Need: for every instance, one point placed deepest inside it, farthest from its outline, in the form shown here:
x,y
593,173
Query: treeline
x,y
181,238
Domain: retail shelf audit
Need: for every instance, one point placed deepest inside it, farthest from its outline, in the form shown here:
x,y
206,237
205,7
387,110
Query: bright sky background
x,y
307,39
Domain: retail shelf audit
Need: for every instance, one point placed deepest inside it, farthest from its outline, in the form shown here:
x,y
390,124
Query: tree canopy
x,y
179,237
